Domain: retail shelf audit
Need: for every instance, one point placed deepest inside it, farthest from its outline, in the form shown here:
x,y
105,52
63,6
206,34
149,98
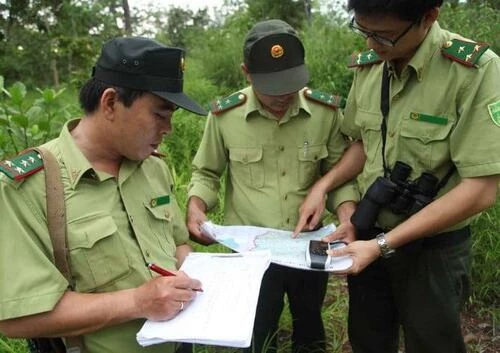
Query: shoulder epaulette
x,y
227,103
365,58
23,165
329,100
466,53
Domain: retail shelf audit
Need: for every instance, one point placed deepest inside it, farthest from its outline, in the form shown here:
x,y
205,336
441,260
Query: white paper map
x,y
285,250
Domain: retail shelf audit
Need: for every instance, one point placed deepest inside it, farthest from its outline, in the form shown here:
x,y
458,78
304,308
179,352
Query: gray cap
x,y
274,57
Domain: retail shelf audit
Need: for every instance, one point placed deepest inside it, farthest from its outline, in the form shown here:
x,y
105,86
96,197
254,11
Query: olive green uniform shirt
x,y
439,117
113,228
271,164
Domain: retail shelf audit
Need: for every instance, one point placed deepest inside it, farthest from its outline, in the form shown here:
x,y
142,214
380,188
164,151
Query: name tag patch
x,y
429,118
162,200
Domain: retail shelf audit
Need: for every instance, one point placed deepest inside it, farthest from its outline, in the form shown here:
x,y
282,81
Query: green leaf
x,y
1,83
34,112
21,120
17,93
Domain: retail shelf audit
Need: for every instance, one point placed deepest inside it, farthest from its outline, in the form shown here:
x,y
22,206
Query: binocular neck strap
x,y
385,107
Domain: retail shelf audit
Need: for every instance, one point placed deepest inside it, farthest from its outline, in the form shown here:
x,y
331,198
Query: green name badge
x,y
429,118
158,201
494,109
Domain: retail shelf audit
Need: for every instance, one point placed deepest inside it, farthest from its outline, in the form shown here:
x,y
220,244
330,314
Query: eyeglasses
x,y
379,39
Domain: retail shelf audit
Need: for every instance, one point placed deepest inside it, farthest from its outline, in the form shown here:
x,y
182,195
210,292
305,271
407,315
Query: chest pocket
x,y
309,163
160,220
424,144
369,123
247,166
98,257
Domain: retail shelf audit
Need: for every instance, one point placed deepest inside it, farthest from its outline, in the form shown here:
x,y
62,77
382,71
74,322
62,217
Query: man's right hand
x,y
162,298
195,217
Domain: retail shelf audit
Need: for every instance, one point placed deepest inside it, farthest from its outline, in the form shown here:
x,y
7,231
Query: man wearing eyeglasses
x,y
426,105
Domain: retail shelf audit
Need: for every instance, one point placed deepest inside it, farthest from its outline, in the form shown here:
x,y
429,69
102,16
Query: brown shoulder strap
x,y
56,212
56,222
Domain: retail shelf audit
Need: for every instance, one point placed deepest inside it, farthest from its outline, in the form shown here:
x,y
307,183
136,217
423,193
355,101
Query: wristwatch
x,y
385,250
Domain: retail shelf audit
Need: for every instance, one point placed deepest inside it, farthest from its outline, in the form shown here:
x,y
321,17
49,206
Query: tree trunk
x,y
126,18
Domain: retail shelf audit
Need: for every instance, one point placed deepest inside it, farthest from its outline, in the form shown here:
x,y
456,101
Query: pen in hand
x,y
165,273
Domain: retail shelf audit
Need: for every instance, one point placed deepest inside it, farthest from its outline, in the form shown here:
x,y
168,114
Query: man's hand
x,y
362,252
344,232
195,217
311,210
162,298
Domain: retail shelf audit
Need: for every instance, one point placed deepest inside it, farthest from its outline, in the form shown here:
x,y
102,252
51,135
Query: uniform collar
x,y
74,160
427,49
78,166
253,105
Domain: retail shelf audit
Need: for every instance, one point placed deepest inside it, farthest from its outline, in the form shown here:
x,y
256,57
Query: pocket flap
x,y
162,213
312,153
245,155
424,131
90,230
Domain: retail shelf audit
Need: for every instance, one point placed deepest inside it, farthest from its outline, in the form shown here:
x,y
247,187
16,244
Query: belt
x,y
443,240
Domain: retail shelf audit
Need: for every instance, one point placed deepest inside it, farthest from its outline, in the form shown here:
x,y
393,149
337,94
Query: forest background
x,y
48,47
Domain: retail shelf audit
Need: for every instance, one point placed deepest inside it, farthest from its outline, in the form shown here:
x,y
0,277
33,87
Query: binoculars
x,y
397,194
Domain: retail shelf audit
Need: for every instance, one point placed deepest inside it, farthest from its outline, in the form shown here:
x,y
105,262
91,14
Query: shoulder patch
x,y
227,103
27,163
329,100
363,59
466,53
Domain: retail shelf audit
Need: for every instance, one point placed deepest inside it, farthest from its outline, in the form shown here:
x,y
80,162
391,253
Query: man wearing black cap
x,y
120,211
276,138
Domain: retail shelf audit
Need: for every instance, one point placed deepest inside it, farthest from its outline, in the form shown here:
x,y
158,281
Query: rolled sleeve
x,y
30,283
475,141
347,192
208,165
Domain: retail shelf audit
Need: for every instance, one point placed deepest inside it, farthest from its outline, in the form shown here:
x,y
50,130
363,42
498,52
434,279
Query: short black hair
x,y
407,10
92,90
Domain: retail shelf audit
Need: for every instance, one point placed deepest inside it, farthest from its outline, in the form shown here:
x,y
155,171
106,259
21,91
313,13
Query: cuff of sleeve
x,y
206,194
479,170
347,192
30,306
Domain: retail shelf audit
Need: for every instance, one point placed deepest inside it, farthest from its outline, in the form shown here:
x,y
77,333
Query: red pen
x,y
165,273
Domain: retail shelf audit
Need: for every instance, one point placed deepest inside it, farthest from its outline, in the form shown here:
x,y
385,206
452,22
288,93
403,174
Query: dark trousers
x,y
306,291
421,290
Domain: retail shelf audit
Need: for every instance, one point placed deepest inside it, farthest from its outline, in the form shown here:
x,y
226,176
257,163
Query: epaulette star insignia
x,y
23,165
362,59
329,100
227,103
466,53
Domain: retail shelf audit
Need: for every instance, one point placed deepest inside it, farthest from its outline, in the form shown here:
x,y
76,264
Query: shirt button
x,y
285,197
283,173
147,253
391,133
282,148
131,219
287,220
167,214
245,159
396,97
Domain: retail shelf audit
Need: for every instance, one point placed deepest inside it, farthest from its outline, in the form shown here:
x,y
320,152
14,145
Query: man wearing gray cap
x,y
119,206
275,138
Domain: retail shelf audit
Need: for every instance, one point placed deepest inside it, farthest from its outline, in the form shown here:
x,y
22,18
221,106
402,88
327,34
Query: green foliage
x,y
29,119
476,20
486,256
328,45
291,11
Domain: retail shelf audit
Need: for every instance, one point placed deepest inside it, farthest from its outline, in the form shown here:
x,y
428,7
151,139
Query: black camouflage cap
x,y
274,57
144,64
